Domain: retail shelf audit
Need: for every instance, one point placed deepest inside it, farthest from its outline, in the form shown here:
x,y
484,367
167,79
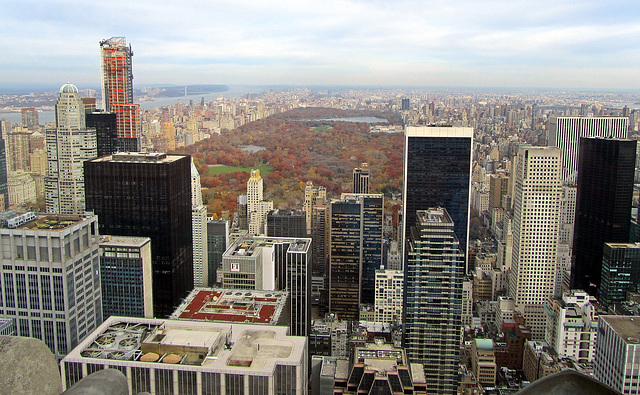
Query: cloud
x,y
328,42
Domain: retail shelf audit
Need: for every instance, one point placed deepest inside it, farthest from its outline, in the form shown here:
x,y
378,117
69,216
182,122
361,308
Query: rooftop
x,y
146,157
33,221
627,327
205,345
123,241
232,305
248,245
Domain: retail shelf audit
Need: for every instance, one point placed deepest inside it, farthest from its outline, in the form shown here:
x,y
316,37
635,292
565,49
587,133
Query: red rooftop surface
x,y
245,306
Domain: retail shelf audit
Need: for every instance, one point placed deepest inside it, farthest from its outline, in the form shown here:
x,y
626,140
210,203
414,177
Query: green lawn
x,y
322,128
264,170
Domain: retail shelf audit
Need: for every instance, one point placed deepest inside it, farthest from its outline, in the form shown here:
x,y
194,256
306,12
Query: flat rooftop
x,y
123,241
627,327
232,305
248,245
204,346
33,221
146,157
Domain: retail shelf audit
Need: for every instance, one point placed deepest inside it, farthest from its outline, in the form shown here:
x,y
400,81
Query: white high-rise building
x,y
388,294
199,230
257,207
535,233
68,146
51,277
565,133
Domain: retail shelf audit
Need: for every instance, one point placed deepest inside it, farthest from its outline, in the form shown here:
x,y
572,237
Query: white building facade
x,y
51,277
535,233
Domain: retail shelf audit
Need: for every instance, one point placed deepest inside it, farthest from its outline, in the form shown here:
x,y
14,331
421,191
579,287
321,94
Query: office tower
x,y
565,133
105,124
117,91
313,195
257,207
30,118
217,242
355,239
148,195
4,188
286,223
437,172
240,220
50,277
320,260
606,170
125,275
406,104
620,272
361,179
433,276
388,291
273,263
187,357
535,233
68,146
571,326
617,347
199,230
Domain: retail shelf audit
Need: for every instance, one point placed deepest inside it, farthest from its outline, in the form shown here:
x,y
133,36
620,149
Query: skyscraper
x,y
355,253
432,317
257,207
217,242
620,272
361,179
4,188
50,277
565,133
148,195
606,169
106,125
199,230
68,146
437,172
117,91
313,195
536,224
30,118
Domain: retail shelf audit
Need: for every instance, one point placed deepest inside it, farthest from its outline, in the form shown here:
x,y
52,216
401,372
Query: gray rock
x,y
27,366
102,382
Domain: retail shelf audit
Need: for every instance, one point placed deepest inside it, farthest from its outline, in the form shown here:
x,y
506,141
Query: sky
x,y
584,44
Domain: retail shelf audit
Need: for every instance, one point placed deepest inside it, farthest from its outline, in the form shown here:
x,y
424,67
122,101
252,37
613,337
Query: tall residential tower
x,y
117,91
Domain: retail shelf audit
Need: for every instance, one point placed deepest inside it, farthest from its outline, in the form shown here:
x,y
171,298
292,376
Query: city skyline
x,y
581,45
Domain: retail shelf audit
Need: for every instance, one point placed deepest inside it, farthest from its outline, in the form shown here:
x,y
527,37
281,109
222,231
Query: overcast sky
x,y
555,44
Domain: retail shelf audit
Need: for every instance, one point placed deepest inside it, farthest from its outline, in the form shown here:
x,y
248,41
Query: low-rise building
x,y
189,357
571,326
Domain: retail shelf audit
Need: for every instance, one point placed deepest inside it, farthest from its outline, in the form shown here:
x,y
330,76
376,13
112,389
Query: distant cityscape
x,y
210,239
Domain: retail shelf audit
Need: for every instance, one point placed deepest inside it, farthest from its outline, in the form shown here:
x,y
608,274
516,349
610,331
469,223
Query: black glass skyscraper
x,y
106,131
437,173
606,168
137,194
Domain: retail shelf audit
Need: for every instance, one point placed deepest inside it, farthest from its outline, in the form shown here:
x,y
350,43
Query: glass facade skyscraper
x,y
432,317
437,173
606,168
136,194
